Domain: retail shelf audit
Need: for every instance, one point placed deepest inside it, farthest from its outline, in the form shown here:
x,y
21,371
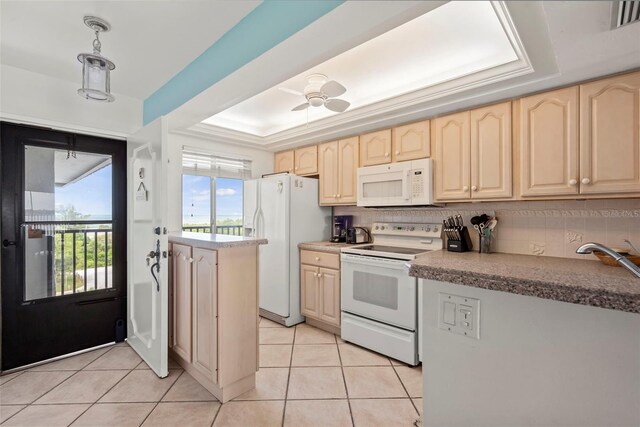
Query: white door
x,y
147,288
273,224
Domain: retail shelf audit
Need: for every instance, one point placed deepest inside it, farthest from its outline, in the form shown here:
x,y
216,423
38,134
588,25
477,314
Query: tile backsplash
x,y
546,228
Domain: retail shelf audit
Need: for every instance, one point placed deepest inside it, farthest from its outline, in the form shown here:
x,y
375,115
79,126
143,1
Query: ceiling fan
x,y
321,91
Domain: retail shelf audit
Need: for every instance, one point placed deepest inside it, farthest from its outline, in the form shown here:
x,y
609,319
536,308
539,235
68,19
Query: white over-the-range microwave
x,y
407,183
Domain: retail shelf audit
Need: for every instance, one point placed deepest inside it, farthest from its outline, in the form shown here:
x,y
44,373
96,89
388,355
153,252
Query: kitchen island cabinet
x,y
214,310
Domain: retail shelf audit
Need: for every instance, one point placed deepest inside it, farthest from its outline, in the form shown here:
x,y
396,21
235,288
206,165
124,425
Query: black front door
x,y
63,270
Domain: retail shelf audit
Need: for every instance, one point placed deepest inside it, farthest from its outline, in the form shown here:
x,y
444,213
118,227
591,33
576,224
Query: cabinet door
x,y
205,312
181,304
375,148
328,164
452,156
610,135
306,161
549,143
309,298
347,170
491,160
411,141
284,162
329,293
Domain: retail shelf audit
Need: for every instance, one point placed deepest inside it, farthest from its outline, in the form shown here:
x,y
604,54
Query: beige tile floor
x,y
307,377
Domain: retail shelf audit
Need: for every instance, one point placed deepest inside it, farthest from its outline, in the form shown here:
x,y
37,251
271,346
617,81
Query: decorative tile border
x,y
577,213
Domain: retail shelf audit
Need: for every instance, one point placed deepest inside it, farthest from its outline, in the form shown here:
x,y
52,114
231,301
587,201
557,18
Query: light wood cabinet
x,y
181,307
205,314
329,293
548,133
320,288
610,135
347,170
306,160
410,142
328,165
491,159
473,158
338,164
284,161
452,167
375,148
218,316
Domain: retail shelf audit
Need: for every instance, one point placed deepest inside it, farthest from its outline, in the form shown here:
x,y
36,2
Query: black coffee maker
x,y
341,223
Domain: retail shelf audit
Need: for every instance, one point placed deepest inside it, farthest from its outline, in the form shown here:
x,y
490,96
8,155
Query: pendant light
x,y
96,68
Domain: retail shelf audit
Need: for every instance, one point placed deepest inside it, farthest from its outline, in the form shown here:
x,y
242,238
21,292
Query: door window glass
x,y
375,289
67,226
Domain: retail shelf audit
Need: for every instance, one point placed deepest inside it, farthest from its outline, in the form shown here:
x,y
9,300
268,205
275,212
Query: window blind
x,y
213,165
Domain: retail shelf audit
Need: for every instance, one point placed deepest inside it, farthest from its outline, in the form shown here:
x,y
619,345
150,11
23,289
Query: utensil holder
x,y
458,239
485,243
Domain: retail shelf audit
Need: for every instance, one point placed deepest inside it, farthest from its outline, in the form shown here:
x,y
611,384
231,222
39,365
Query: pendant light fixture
x,y
96,68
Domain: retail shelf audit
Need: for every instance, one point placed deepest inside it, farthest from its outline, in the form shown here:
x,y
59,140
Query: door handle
x,y
6,243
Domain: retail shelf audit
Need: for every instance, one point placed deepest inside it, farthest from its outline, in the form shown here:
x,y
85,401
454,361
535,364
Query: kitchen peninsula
x,y
518,339
213,303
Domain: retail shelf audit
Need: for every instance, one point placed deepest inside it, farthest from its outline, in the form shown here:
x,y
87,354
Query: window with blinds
x,y
207,164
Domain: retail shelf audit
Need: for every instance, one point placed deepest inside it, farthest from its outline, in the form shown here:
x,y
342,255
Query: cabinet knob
x,y
397,153
190,259
465,188
474,188
573,182
317,258
586,181
334,196
297,168
386,154
320,274
338,196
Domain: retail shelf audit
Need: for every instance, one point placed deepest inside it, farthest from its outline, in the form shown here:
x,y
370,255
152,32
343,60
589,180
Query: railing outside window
x,y
233,230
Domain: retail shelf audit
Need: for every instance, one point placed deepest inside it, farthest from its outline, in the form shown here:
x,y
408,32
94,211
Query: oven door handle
x,y
373,261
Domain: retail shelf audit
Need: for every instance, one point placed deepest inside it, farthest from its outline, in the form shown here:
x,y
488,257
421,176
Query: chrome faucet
x,y
588,248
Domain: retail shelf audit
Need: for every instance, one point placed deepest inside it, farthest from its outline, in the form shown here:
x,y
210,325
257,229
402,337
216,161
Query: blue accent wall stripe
x,y
264,27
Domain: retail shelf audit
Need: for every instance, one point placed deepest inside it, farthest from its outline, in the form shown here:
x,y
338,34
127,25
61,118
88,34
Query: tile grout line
x,y
404,387
344,380
286,393
163,394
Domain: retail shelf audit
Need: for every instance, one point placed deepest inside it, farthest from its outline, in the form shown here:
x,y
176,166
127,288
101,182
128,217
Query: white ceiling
x,y
149,41
455,40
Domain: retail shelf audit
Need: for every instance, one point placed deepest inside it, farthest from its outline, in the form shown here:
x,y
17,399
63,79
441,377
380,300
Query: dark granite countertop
x,y
214,241
561,279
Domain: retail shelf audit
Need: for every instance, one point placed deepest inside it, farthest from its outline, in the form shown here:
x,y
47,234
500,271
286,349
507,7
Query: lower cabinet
x,y
320,287
214,316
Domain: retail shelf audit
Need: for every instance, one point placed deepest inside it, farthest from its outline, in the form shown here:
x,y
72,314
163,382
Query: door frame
x,y
50,138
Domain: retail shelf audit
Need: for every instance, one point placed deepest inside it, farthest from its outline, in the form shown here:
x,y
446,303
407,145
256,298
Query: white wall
x,y
34,98
538,363
261,163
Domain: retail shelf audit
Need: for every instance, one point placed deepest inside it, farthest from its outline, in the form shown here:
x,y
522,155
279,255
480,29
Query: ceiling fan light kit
x,y
321,91
96,69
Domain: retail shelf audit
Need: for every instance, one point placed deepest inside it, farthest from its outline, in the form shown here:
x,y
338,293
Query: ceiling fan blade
x,y
301,107
291,91
337,105
332,89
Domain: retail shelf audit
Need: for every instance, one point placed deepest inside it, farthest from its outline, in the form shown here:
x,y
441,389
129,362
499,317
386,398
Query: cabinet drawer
x,y
321,259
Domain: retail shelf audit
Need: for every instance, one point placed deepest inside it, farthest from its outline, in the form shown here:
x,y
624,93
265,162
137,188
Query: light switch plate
x,y
458,314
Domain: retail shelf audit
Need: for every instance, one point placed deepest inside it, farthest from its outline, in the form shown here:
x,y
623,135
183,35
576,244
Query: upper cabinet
x,y
491,158
610,135
548,133
473,154
338,163
306,160
452,146
410,142
284,162
375,148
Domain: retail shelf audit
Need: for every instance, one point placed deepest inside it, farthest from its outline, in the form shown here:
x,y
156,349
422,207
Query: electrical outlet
x,y
458,314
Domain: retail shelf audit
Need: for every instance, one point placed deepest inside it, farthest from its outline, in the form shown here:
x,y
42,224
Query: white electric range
x,y
379,298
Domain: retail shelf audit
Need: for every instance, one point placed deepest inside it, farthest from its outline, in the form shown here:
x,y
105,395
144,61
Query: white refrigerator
x,y
284,210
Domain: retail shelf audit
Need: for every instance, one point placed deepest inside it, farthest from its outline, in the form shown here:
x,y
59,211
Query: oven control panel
x,y
407,229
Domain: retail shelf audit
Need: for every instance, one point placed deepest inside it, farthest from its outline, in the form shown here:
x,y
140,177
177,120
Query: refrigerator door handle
x,y
254,229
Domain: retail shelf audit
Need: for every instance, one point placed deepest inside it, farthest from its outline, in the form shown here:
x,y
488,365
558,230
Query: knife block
x,y
464,244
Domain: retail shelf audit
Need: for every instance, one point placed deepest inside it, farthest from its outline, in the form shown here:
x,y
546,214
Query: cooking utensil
x,y
492,224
